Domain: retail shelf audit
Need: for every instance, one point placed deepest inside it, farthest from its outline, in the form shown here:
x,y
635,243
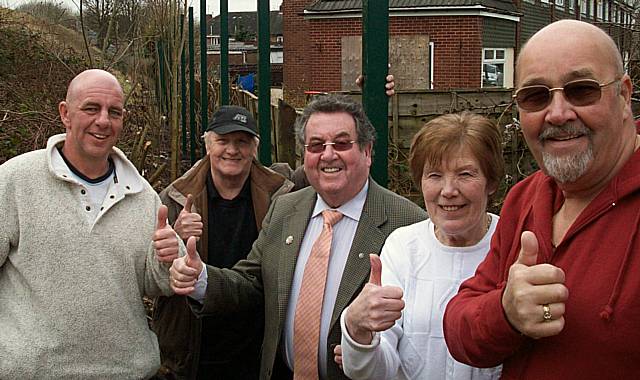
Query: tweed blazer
x,y
264,279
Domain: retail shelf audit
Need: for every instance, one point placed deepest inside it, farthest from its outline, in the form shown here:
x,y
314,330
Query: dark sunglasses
x,y
318,147
581,92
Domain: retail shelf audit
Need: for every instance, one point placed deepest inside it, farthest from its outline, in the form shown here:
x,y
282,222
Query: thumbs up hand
x,y
188,223
185,270
534,297
165,241
376,308
375,277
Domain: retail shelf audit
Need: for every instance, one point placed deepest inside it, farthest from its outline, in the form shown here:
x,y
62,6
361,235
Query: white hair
x,y
209,135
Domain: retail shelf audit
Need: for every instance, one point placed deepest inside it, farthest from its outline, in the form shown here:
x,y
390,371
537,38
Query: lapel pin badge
x,y
289,240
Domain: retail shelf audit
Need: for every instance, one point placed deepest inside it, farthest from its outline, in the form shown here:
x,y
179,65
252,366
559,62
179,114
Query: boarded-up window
x,y
408,55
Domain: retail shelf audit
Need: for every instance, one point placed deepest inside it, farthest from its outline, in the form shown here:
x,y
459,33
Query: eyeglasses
x,y
318,147
581,92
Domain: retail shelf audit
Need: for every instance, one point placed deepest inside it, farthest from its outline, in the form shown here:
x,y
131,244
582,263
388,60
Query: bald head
x,y
93,115
579,134
91,77
570,37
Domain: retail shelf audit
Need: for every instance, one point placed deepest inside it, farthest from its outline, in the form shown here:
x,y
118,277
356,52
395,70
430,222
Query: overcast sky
x,y
213,6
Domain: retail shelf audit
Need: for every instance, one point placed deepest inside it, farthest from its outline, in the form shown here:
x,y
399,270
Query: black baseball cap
x,y
229,119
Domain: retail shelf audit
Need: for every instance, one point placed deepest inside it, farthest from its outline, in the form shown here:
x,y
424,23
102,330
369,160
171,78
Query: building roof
x,y
247,21
342,6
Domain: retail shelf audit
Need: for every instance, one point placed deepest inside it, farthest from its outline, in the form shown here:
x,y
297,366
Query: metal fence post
x,y
375,58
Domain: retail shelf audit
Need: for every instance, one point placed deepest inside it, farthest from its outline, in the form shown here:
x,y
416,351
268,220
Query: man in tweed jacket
x,y
338,139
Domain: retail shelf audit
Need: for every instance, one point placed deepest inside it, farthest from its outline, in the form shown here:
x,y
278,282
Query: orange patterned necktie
x,y
306,327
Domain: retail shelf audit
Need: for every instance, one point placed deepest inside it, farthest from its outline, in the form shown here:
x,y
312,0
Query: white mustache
x,y
563,130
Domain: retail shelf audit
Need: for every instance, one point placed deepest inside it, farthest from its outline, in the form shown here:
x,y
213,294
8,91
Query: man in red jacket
x,y
558,296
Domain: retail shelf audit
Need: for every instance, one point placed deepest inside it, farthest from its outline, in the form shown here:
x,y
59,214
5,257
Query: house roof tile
x,y
331,6
247,21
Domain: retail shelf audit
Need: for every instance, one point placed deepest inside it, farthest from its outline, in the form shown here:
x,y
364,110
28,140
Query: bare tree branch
x,y
84,36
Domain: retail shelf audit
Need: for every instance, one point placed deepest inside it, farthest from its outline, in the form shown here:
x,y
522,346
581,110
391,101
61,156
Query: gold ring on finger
x,y
546,312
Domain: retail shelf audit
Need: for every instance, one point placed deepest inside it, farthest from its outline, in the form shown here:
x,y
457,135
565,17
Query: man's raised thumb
x,y
528,249
376,270
189,203
163,212
193,258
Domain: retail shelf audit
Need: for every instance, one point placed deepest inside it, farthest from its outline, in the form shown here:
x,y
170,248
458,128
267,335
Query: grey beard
x,y
568,168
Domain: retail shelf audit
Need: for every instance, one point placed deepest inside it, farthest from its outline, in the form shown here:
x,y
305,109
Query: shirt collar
x,y
111,169
352,209
128,176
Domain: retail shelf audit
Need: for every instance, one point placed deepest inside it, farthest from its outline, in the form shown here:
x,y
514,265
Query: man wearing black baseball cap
x,y
231,119
221,200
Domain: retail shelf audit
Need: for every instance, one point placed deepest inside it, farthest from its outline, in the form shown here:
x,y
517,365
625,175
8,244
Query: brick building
x,y
434,44
243,44
243,29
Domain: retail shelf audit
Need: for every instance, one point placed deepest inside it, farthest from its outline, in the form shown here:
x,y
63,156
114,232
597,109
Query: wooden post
x,y
285,137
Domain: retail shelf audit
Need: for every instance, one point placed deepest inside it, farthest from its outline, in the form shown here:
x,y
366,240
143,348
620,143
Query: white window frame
x,y
431,62
213,42
600,9
507,64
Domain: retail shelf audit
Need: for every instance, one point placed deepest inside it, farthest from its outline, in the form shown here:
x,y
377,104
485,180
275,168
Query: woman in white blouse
x,y
393,330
